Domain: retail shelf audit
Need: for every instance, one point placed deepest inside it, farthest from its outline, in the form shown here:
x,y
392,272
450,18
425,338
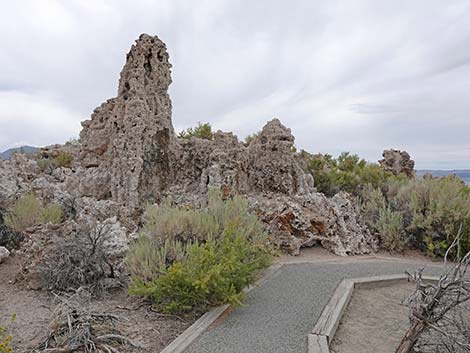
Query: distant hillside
x,y
464,174
23,149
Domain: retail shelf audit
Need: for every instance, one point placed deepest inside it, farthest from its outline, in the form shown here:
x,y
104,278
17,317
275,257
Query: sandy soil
x,y
319,254
375,320
33,310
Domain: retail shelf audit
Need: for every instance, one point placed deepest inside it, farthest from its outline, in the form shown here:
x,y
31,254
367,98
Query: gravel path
x,y
279,314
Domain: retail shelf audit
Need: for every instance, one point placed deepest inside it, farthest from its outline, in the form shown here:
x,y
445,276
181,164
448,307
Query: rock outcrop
x,y
126,144
129,155
398,162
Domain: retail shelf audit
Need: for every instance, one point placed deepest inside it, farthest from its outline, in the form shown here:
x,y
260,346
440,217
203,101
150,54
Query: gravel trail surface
x,y
278,315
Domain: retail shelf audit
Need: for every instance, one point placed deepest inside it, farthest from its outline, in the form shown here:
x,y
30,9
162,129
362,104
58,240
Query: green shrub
x,y
390,228
430,210
28,211
213,273
148,259
6,338
346,173
188,259
372,203
63,159
52,214
189,225
203,131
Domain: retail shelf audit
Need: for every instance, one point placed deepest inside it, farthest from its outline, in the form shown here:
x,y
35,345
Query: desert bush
x,y
188,259
6,338
47,164
28,211
211,274
346,173
372,203
148,259
431,210
390,228
189,225
63,159
80,259
203,131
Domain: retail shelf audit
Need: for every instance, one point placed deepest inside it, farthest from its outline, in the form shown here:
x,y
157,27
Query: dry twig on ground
x,y
75,327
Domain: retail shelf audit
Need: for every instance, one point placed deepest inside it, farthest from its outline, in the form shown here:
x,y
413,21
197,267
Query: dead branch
x,y
435,308
75,327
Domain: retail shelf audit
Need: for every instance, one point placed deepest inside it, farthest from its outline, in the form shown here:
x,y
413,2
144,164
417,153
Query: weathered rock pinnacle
x,y
126,144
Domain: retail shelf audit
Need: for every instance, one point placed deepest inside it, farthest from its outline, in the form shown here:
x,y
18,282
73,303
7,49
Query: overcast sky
x,y
357,76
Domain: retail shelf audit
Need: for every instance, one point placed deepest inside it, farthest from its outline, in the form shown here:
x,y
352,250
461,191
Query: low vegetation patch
x,y
423,213
190,259
202,131
47,164
6,338
29,211
347,173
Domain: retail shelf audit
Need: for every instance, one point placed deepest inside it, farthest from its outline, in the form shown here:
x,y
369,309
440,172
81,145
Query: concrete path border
x,y
183,341
324,330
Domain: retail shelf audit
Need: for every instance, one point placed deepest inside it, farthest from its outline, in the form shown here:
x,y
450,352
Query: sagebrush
x,y
48,163
422,213
188,259
6,337
29,211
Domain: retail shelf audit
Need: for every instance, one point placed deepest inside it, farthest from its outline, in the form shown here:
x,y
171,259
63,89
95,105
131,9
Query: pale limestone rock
x,y
4,254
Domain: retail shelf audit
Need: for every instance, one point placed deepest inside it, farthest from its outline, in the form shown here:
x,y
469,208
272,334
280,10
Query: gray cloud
x,y
358,76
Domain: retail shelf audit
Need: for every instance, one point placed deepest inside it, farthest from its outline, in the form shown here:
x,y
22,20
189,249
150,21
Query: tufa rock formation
x,y
126,144
398,162
129,155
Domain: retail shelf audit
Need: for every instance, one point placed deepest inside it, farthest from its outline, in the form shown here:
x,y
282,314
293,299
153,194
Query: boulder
x,y
4,254
305,220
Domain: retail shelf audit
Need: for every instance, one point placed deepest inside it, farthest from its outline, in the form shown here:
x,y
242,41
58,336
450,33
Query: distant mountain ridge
x,y
23,149
463,174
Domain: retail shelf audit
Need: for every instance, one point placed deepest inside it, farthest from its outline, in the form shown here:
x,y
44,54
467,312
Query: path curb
x,y
324,330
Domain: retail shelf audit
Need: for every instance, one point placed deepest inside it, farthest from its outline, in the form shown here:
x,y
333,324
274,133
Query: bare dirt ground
x,y
319,254
33,309
375,320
